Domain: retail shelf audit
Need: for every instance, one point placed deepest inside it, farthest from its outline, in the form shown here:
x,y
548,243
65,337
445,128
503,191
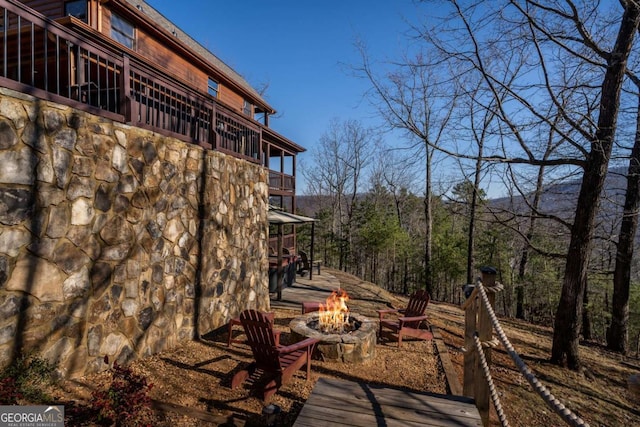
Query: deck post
x,y
469,355
470,320
125,90
280,274
478,321
485,334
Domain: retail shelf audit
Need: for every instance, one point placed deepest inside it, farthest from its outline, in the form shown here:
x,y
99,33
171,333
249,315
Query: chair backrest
x,y
417,304
305,260
261,338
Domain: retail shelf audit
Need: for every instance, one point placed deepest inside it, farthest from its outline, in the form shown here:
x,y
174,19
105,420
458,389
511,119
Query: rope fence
x,y
480,319
487,375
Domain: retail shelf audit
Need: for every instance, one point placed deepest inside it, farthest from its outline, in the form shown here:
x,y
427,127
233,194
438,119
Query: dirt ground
x,y
598,394
191,383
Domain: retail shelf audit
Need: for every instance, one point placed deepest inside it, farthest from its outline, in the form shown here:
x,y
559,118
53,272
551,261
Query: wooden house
x,y
124,60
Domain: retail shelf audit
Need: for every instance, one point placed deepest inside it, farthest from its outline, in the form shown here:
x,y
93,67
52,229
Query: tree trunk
x,y
618,331
472,218
470,237
524,258
568,315
405,274
520,299
428,213
586,322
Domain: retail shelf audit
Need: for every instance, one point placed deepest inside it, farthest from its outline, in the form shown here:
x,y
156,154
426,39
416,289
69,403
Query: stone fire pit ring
x,y
351,347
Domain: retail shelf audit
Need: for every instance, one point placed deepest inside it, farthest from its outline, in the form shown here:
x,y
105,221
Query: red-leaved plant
x,y
9,393
126,402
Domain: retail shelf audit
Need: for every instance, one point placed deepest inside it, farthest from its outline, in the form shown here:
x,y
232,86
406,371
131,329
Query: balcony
x,y
279,181
74,65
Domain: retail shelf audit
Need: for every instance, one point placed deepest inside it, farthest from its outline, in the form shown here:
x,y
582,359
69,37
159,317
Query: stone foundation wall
x,y
115,241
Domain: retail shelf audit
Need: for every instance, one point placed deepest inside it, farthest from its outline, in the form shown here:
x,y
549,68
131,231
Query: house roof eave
x,y
283,141
153,20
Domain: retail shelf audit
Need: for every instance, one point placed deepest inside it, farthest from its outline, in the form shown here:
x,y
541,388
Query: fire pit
x,y
344,336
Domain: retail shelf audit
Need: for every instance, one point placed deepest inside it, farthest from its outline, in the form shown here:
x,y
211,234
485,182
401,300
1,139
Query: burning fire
x,y
335,314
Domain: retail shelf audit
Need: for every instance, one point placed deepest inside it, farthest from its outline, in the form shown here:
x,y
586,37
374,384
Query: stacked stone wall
x,y
118,242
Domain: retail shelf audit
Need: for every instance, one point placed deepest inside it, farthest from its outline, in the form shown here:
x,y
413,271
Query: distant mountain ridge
x,y
561,198
557,199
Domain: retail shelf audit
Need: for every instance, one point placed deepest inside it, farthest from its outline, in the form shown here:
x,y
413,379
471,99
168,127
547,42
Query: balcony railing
x,y
281,181
50,61
288,241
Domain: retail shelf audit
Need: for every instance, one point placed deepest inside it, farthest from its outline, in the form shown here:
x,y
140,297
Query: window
x,y
247,108
212,87
122,31
76,8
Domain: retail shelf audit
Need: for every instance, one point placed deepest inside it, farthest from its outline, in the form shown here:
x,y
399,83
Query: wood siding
x,y
160,55
55,9
105,21
50,9
230,98
150,47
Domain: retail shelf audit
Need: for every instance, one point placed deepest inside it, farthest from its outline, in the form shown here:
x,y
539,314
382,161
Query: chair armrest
x,y
306,343
381,313
411,319
277,337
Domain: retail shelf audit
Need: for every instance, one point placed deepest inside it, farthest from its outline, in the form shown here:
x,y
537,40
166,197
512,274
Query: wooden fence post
x,y
478,321
470,316
485,334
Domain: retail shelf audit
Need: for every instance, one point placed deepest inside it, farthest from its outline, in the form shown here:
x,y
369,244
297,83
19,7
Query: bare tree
x,y
481,115
566,66
618,331
411,100
399,180
566,328
341,158
533,201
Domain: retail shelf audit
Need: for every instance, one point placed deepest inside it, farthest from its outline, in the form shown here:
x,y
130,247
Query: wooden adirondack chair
x,y
271,359
303,265
410,320
236,322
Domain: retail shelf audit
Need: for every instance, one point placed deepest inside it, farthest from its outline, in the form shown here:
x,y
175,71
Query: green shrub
x,y
26,379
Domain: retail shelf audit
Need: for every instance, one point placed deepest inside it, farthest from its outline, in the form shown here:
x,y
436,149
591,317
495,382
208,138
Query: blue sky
x,y
301,49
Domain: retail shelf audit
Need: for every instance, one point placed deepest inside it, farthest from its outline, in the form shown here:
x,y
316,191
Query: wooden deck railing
x,y
43,58
480,322
288,241
281,181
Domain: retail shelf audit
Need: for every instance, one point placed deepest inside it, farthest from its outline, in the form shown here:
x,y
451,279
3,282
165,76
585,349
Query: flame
x,y
335,314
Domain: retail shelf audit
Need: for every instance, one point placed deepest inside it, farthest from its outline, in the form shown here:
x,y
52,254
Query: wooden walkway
x,y
335,402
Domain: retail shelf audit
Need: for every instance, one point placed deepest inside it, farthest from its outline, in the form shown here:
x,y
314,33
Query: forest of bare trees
x,y
533,100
